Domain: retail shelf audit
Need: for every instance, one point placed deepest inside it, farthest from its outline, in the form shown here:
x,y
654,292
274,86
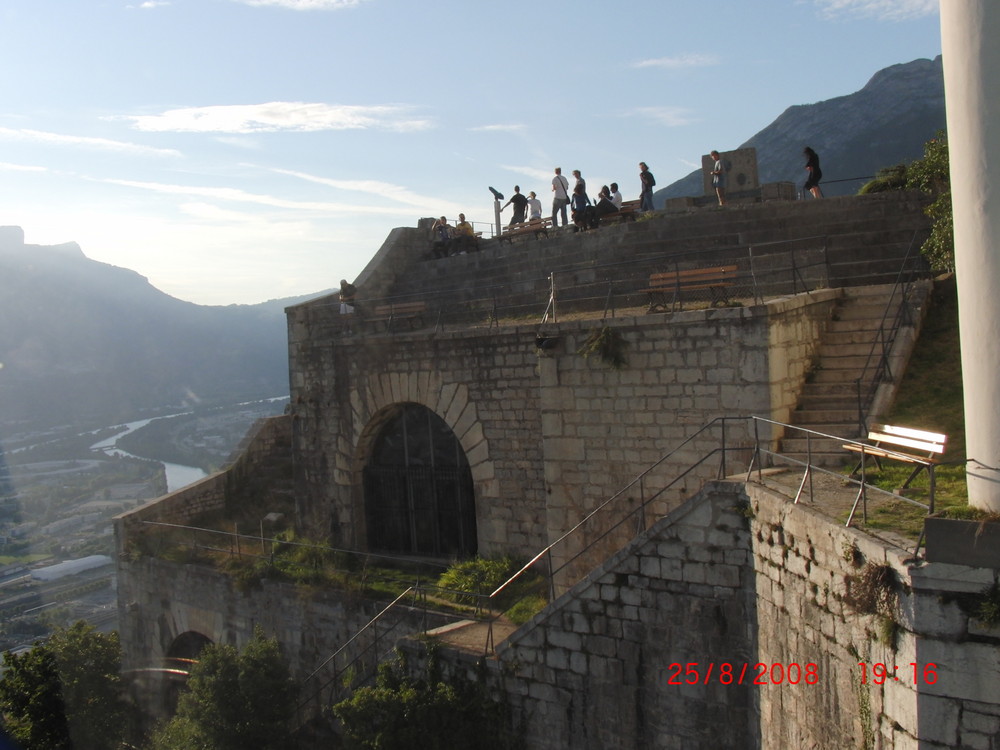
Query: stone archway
x,y
188,645
419,495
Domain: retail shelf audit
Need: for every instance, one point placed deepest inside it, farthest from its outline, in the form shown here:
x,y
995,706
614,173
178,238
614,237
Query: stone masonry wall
x,y
160,600
549,434
741,576
592,670
269,438
803,563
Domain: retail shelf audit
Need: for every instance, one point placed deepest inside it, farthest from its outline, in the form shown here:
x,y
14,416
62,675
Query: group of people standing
x,y
609,200
587,213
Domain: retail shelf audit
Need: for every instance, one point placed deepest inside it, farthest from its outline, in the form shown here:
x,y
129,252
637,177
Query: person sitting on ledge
x,y
441,234
605,206
463,237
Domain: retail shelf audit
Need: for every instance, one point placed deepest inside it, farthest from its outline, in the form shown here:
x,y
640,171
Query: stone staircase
x,y
829,399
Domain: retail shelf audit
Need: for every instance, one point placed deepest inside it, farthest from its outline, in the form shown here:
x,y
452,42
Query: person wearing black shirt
x,y
520,206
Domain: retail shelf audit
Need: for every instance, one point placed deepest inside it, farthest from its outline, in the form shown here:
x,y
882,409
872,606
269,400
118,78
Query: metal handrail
x,y
612,282
884,340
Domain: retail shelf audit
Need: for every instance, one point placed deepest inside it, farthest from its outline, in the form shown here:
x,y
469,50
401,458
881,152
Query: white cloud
x,y
7,167
680,61
302,4
236,195
543,175
883,10
374,187
279,116
100,144
498,128
671,117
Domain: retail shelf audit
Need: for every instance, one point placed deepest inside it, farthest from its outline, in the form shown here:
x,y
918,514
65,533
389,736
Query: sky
x,y
237,151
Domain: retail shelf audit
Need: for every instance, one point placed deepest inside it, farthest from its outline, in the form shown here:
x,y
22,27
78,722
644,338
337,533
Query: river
x,y
178,476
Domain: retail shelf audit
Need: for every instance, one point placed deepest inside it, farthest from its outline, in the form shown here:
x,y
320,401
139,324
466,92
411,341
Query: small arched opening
x,y
419,497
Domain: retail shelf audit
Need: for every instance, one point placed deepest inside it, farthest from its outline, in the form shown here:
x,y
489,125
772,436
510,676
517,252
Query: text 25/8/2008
x,y
740,673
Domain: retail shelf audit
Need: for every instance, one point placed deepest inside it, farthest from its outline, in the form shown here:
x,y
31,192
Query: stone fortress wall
x,y
550,434
660,646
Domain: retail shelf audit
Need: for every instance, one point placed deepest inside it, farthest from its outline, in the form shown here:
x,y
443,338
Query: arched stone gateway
x,y
188,645
418,490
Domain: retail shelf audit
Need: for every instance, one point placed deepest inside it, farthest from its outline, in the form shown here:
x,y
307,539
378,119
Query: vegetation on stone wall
x,y
234,700
930,175
467,581
608,345
402,712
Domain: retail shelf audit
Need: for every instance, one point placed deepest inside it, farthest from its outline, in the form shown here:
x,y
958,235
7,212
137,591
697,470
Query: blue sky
x,y
234,151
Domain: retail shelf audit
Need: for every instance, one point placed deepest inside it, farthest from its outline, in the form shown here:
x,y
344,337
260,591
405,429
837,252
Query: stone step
x,y
819,416
836,376
801,445
850,337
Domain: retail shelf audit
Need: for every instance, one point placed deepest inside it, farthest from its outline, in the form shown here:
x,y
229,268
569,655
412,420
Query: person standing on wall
x,y
719,177
520,204
646,192
347,294
580,183
815,173
560,197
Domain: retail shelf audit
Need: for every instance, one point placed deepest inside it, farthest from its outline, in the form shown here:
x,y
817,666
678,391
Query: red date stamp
x,y
742,673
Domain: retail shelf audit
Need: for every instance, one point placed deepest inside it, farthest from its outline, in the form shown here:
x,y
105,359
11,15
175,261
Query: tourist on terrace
x,y
580,183
616,196
441,233
520,204
604,206
534,207
347,294
719,177
560,197
463,237
582,210
647,182
815,173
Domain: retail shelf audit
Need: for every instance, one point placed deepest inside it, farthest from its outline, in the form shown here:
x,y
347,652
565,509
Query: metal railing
x,y
763,270
877,370
604,530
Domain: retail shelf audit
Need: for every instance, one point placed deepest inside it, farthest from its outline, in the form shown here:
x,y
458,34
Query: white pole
x,y
496,214
971,56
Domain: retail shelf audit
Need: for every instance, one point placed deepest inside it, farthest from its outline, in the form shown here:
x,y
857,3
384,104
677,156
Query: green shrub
x,y
466,581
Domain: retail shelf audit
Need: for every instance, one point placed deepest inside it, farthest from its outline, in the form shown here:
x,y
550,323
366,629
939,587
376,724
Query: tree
x,y
66,692
234,701
31,700
931,175
402,712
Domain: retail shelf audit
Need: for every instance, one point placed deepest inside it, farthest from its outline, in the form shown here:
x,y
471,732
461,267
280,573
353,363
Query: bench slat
x,y
920,445
909,432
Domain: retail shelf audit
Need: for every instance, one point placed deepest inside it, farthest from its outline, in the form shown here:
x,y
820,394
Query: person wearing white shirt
x,y
616,197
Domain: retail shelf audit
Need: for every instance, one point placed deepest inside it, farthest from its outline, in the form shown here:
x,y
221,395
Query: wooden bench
x,y
921,448
408,311
717,280
627,212
534,227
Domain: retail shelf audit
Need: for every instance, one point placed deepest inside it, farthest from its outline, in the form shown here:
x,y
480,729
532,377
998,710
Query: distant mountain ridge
x,y
887,122
84,342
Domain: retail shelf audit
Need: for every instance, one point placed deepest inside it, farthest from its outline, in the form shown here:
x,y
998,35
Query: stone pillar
x,y
969,33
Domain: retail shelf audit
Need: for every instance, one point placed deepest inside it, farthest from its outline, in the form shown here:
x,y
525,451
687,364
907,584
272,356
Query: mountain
x,y
885,123
83,342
